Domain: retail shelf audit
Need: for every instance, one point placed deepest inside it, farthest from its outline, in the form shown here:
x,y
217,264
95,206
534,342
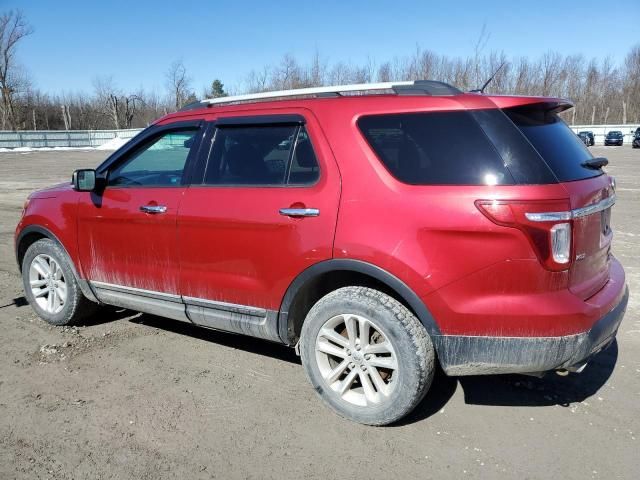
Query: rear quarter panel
x,y
428,236
432,237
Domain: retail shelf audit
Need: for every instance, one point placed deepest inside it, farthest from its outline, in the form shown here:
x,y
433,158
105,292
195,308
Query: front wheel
x,y
367,356
51,286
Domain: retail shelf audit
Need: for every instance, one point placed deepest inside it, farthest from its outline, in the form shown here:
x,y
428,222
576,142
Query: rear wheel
x,y
367,356
51,286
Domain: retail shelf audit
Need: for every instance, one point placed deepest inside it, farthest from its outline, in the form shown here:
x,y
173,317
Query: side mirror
x,y
84,180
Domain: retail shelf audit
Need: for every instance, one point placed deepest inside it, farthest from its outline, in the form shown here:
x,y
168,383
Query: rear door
x,y
265,210
590,191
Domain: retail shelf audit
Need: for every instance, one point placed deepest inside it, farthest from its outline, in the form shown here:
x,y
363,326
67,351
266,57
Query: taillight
x,y
561,243
545,223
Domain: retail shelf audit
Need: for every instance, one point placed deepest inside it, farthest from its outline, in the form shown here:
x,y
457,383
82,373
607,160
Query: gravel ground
x,y
136,396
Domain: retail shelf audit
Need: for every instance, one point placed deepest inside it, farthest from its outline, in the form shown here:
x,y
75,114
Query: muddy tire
x,y
50,285
367,356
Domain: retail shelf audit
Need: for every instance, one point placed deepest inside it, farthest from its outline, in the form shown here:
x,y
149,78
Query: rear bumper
x,y
480,355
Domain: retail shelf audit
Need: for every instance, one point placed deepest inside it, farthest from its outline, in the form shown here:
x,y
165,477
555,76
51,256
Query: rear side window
x,y
268,155
436,148
560,148
518,155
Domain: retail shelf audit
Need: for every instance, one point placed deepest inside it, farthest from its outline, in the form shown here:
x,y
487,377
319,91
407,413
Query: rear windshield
x,y
555,142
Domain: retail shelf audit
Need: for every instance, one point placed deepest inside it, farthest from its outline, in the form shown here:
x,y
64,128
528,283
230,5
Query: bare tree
x,y
13,28
258,80
178,84
631,84
120,108
316,76
479,47
384,72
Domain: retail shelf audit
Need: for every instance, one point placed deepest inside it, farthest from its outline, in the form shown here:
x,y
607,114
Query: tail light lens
x,y
561,243
545,223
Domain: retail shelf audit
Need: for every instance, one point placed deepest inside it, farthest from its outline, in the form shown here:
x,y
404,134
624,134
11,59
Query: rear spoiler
x,y
555,105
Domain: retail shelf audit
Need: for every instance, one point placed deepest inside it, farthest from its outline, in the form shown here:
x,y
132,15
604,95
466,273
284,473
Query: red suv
x,y
377,228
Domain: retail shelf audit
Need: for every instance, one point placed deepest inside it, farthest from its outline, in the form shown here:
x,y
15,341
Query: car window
x,y
261,155
439,148
304,168
159,163
563,152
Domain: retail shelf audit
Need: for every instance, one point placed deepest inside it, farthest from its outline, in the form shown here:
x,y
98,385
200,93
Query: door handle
x,y
153,208
299,212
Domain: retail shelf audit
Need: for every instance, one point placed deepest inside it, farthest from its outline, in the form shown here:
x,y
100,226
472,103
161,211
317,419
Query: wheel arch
x,y
321,278
31,234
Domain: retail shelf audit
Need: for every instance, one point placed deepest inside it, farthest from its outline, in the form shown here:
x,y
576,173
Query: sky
x,y
135,41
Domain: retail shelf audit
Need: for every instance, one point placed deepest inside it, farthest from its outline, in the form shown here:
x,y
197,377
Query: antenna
x,y
481,90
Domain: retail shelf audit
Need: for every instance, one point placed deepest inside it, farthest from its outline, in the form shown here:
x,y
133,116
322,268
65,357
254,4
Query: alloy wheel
x,y
48,284
356,359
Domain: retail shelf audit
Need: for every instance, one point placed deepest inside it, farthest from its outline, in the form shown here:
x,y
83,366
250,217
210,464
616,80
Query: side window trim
x,y
257,120
292,152
148,135
288,182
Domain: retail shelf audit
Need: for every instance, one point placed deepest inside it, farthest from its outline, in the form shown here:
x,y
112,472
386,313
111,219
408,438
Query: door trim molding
x,y
228,307
137,291
228,317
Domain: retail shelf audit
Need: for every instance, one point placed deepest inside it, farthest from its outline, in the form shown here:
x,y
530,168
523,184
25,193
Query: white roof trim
x,y
337,89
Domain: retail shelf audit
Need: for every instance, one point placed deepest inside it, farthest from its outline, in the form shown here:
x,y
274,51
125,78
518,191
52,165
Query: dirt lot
x,y
137,396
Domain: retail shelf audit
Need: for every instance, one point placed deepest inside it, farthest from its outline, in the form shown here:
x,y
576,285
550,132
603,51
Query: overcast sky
x,y
135,41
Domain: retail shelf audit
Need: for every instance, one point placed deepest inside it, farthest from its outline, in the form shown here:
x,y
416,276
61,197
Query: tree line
x,y
603,91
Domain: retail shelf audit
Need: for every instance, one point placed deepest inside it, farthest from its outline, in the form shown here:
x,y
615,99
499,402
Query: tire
x,y
395,338
58,300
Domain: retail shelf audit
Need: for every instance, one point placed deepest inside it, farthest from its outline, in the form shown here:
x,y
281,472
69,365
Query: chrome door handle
x,y
153,208
299,212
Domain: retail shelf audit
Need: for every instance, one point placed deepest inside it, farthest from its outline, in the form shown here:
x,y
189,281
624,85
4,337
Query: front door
x,y
127,233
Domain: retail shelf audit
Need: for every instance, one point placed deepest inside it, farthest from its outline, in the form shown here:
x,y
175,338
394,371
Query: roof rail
x,y
418,87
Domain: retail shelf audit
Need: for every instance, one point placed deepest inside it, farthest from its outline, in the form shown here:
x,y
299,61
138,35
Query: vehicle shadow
x,y
551,389
16,302
519,390
106,314
441,391
240,342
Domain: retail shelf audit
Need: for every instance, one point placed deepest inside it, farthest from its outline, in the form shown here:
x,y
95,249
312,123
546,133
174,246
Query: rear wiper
x,y
595,163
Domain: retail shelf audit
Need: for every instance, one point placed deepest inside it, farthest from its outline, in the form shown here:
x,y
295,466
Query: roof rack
x,y
418,87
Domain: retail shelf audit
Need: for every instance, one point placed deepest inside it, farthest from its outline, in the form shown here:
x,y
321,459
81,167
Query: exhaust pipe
x,y
577,368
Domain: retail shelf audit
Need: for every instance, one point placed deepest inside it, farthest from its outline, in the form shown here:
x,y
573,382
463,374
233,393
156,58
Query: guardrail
x,y
95,138
62,138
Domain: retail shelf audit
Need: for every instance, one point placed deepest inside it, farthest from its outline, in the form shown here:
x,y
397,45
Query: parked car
x,y
587,137
398,231
635,143
614,137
